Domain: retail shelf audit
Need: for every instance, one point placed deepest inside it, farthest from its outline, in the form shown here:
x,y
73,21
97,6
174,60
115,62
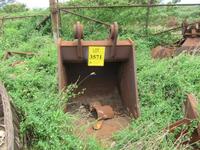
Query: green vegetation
x,y
14,8
163,84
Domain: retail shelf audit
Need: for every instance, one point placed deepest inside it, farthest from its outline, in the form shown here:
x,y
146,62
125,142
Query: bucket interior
x,y
102,87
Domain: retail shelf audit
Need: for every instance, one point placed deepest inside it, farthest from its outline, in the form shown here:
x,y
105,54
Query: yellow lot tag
x,y
96,56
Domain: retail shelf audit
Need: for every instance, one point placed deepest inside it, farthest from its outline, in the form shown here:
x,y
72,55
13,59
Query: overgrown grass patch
x,y
163,87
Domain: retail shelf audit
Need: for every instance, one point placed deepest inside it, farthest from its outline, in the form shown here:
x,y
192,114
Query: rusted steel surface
x,y
85,17
78,34
175,125
191,30
175,28
191,113
118,72
113,37
162,52
20,17
124,6
102,112
191,33
10,122
43,22
11,53
16,63
191,110
190,43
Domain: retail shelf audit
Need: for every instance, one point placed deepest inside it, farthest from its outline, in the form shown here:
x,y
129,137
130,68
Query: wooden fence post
x,y
54,19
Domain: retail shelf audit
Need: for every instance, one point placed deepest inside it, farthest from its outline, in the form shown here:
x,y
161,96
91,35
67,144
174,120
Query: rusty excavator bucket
x,y
190,43
191,35
191,114
106,69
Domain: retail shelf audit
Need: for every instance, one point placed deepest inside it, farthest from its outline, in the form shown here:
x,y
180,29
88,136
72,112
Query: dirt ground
x,y
80,107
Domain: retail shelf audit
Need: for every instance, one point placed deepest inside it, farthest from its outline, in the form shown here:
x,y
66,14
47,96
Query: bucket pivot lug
x,y
78,34
113,37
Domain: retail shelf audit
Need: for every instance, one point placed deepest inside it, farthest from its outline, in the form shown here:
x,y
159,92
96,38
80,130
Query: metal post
x,y
147,15
126,6
54,18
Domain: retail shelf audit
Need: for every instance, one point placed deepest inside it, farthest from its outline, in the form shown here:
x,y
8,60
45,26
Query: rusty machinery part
x,y
191,34
124,6
174,29
114,31
162,52
10,121
11,53
16,63
78,31
191,113
85,17
191,110
113,36
78,34
102,112
117,75
190,43
190,30
21,17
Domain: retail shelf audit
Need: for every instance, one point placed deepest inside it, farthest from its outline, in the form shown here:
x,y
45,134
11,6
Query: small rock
x,y
98,125
2,137
113,144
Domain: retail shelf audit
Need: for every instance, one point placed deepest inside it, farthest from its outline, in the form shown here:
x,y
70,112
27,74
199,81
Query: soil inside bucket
x,y
101,88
